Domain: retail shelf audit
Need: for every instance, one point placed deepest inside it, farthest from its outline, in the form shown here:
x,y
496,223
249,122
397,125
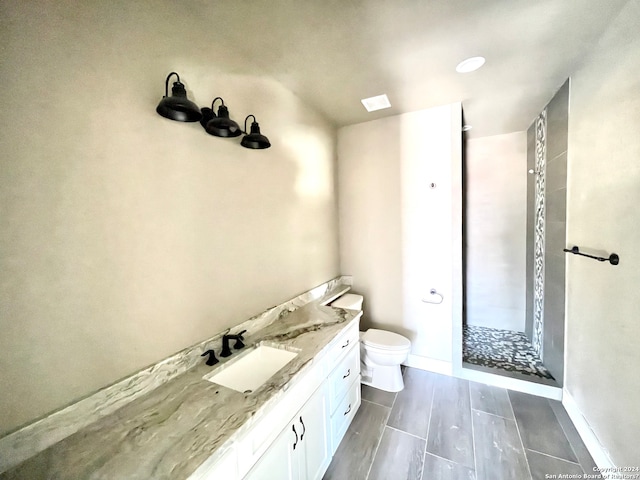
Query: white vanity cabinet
x,y
299,447
343,384
225,467
278,461
315,441
301,451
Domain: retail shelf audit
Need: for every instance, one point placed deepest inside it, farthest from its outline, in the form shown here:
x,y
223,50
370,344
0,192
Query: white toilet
x,y
381,352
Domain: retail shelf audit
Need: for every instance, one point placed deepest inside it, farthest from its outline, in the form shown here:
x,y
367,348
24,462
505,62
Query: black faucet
x,y
212,360
226,351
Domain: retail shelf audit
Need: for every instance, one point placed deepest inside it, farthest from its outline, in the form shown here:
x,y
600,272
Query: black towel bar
x,y
614,259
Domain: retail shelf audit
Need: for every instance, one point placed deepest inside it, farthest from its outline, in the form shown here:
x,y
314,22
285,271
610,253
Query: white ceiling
x,y
332,53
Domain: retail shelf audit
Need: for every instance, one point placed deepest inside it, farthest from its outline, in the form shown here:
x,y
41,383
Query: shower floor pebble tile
x,y
502,349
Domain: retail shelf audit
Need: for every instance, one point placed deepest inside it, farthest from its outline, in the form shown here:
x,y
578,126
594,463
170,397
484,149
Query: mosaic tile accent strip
x,y
502,349
538,246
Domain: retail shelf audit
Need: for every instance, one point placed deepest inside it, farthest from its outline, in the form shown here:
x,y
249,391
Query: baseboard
x,y
429,364
597,451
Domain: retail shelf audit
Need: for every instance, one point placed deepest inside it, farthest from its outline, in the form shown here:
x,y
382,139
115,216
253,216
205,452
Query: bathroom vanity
x,y
287,445
189,427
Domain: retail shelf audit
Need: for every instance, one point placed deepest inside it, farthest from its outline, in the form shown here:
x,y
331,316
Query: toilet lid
x,y
385,340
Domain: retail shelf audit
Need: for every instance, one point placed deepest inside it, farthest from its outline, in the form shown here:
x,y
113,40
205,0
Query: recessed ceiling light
x,y
376,103
466,128
470,64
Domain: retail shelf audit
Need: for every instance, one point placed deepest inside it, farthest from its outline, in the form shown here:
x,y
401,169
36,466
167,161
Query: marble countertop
x,y
169,432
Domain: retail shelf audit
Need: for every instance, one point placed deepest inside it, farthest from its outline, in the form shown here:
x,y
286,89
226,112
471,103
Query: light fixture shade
x,y
221,125
177,106
255,139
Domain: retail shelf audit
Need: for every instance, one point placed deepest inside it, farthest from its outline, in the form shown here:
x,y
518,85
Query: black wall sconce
x,y
219,125
177,106
255,139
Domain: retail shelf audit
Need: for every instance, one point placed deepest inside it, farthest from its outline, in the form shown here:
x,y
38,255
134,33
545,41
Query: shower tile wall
x,y
554,233
495,243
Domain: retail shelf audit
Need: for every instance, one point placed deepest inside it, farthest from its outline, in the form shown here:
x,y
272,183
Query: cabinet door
x,y
280,460
225,467
313,419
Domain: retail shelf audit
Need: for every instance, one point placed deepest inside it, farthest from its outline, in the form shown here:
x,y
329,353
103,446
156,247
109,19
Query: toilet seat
x,y
383,340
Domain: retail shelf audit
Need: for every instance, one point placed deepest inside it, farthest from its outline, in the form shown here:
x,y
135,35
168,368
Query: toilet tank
x,y
349,301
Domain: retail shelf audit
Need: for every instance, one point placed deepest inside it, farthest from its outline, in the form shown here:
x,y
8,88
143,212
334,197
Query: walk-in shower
x,y
515,277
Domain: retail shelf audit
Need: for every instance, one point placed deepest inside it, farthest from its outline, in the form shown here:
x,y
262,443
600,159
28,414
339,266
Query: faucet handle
x,y
239,344
212,360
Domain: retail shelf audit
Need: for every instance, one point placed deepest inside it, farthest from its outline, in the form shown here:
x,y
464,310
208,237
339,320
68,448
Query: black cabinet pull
x,y
304,429
348,373
294,431
346,344
345,413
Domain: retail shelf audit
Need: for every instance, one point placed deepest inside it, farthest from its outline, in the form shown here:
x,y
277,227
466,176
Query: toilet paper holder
x,y
434,292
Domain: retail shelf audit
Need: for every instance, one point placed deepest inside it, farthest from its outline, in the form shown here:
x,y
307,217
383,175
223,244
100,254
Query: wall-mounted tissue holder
x,y
433,300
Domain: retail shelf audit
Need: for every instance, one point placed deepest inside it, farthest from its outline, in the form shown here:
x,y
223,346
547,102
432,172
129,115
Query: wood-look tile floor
x,y
445,428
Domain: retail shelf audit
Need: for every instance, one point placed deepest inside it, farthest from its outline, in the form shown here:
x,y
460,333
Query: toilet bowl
x,y
381,352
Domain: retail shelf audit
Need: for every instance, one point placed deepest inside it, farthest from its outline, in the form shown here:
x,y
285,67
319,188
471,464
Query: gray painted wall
x,y
126,237
495,223
395,230
603,194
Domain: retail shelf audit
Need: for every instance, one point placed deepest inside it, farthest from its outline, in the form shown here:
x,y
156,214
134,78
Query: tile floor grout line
x,y
403,431
376,403
524,451
433,394
426,440
373,459
424,453
449,460
492,414
386,420
424,460
473,436
557,458
566,436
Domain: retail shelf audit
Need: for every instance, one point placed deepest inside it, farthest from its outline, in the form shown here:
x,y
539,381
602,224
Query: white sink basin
x,y
252,369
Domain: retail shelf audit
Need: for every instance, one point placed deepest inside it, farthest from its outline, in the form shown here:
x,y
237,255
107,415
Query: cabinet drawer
x,y
342,344
341,418
343,376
